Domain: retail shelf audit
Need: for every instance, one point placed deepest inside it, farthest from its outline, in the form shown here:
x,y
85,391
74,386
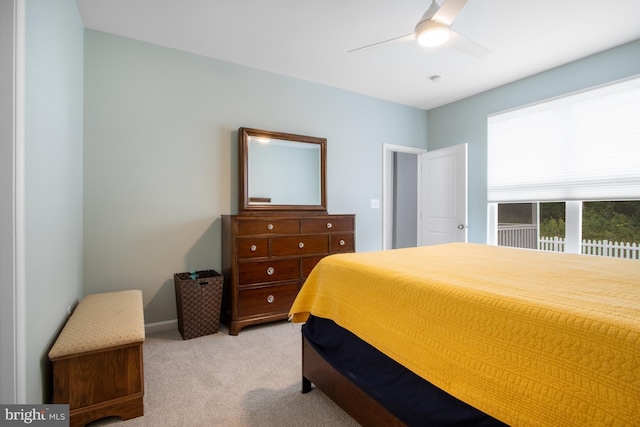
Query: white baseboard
x,y
161,326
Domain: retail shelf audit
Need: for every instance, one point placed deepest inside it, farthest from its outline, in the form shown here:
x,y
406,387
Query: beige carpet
x,y
253,379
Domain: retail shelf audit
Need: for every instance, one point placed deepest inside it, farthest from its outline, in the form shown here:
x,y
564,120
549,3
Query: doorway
x,y
434,210
401,196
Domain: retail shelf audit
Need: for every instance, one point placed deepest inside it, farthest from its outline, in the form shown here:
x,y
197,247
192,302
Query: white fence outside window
x,y
595,247
526,236
553,244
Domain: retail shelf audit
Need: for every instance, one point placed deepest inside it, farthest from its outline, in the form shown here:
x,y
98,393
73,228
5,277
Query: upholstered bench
x,y
97,358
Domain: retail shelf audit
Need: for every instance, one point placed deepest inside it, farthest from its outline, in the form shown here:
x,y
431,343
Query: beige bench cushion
x,y
102,321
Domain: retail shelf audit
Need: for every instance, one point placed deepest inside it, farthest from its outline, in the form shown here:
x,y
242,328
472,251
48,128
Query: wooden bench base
x,y
102,383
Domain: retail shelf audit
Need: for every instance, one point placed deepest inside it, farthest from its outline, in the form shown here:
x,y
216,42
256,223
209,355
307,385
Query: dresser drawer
x,y
327,224
307,264
342,242
299,245
268,271
267,299
253,247
269,226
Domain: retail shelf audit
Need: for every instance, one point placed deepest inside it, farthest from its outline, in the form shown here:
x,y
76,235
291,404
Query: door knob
x,y
460,226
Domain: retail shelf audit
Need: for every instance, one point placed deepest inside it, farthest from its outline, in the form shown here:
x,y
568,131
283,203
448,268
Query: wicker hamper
x,y
198,300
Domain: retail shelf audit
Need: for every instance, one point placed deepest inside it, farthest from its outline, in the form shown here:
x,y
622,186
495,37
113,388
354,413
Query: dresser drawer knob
x,y
301,245
270,227
342,242
253,248
329,225
270,271
271,299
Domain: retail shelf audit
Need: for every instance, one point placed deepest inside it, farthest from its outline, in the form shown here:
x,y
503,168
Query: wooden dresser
x,y
265,260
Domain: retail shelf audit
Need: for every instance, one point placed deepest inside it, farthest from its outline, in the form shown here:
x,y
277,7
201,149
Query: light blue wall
x,y
160,157
53,179
466,120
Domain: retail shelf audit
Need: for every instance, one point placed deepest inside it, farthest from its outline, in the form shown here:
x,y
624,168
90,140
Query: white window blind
x,y
584,146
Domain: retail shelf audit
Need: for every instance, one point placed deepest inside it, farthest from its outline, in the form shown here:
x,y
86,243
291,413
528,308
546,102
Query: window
x,y
567,154
608,228
613,220
518,225
532,225
611,228
582,146
553,219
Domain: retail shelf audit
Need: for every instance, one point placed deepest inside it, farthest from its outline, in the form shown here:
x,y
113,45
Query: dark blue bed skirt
x,y
409,397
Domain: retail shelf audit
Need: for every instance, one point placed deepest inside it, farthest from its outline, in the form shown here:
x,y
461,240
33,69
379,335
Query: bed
x,y
503,335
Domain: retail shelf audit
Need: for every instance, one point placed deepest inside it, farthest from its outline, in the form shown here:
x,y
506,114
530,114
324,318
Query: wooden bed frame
x,y
514,378
355,402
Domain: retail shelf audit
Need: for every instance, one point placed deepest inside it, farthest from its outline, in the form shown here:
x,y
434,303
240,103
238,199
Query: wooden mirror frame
x,y
244,205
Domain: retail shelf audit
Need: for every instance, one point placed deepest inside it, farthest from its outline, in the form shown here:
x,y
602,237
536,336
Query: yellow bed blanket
x,y
532,338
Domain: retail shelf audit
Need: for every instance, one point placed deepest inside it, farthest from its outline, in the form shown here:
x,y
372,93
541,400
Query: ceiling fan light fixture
x,y
432,33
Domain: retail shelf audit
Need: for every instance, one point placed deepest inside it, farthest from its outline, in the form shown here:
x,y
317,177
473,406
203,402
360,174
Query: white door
x,y
444,200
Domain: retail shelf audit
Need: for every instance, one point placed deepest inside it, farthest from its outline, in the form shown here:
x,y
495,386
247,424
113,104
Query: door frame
x,y
387,191
12,215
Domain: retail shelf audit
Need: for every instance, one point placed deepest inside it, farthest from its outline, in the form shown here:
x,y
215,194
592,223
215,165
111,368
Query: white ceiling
x,y
309,39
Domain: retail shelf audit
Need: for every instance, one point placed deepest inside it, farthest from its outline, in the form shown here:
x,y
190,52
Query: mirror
x,y
281,171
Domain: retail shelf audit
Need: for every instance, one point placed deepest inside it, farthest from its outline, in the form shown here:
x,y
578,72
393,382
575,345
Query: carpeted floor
x,y
252,379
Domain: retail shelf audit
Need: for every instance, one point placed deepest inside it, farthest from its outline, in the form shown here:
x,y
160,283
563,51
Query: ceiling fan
x,y
434,29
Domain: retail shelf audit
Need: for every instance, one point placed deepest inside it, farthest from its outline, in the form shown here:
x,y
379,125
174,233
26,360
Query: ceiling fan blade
x,y
431,11
408,37
463,44
448,11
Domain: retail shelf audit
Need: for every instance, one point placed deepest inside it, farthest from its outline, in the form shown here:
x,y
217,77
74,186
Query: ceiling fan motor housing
x,y
432,33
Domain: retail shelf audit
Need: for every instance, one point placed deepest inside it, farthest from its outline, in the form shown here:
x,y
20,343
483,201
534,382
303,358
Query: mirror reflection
x,y
283,172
